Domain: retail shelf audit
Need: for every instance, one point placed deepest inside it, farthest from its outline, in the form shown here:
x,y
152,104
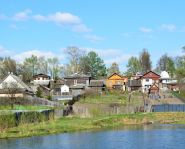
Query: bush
x,y
19,118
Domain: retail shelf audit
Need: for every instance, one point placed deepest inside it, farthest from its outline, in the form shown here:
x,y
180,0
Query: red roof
x,y
151,75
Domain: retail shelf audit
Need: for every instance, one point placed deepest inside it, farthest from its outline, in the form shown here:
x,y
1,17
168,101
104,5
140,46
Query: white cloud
x,y
81,28
63,18
23,15
168,27
40,18
21,56
145,30
94,38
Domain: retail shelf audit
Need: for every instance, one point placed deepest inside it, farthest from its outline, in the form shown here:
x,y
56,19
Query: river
x,y
133,137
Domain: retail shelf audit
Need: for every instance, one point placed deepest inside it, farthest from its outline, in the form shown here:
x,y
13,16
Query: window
x,y
75,82
147,80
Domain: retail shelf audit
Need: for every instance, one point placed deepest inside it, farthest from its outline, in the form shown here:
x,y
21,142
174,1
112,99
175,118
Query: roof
x,y
41,74
117,75
165,75
150,72
96,83
18,80
77,86
77,75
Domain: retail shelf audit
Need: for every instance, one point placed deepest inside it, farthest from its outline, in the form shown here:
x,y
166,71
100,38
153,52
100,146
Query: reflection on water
x,y
131,137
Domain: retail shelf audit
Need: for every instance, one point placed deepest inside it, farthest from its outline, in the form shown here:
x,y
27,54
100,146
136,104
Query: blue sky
x,y
115,30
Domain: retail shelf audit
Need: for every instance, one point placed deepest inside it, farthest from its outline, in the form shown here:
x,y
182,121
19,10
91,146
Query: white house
x,y
64,89
165,80
13,82
41,79
148,79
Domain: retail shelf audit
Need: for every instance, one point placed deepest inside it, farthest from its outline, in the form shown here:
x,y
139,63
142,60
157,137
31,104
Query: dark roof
x,y
78,86
77,75
41,74
96,83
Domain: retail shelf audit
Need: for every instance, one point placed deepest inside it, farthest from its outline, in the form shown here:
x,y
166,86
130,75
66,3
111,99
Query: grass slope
x,y
71,124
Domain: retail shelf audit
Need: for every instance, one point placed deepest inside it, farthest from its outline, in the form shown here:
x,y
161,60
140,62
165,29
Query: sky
x,y
116,30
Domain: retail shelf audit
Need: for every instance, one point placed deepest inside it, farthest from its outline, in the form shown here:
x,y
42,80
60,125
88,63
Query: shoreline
x,y
76,124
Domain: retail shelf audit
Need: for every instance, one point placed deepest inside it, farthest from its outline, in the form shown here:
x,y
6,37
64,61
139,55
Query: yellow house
x,y
116,81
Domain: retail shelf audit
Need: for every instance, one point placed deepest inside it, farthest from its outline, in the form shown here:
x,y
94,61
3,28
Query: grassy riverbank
x,y
71,124
24,107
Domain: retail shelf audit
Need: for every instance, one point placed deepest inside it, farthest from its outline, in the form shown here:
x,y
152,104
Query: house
x,y
154,89
97,85
166,82
78,89
64,89
77,79
116,81
134,85
137,76
148,79
77,83
14,86
41,79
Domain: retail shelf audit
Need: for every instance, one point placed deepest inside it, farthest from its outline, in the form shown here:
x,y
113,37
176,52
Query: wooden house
x,y
97,85
116,81
154,89
77,79
134,85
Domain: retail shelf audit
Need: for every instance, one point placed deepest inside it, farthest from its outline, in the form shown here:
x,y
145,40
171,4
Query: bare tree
x,y
74,54
54,67
11,89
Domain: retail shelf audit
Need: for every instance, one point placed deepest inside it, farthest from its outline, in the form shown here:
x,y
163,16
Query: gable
x,y
151,75
14,79
115,77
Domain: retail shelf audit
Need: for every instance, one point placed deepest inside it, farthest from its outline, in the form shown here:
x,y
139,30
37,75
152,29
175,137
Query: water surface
x,y
135,137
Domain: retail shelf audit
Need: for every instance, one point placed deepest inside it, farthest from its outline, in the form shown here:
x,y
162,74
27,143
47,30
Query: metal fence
x,y
168,108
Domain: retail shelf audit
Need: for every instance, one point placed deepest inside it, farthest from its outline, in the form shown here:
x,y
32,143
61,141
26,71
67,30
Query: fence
x,y
168,108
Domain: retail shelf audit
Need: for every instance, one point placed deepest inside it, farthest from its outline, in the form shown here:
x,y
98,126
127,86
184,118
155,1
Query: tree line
x,y
78,62
175,66
89,63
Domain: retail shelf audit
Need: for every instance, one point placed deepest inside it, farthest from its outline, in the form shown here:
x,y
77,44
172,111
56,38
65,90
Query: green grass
x,y
180,95
114,97
21,107
71,124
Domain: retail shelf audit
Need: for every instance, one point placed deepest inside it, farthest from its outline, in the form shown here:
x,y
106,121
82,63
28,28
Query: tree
x,y
74,55
133,66
31,64
11,89
42,65
92,64
166,63
145,61
24,72
39,92
54,67
7,65
114,68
